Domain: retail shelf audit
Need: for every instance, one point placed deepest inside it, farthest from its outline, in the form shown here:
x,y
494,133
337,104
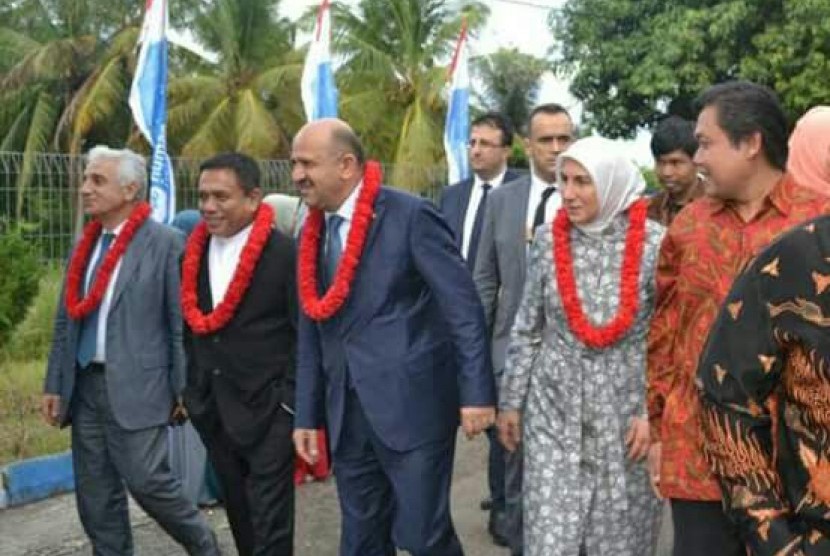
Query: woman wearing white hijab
x,y
573,392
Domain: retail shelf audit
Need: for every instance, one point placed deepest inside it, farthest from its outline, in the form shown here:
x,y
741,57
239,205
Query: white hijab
x,y
618,180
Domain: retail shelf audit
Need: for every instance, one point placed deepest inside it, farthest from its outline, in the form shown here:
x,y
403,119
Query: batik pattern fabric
x,y
765,387
705,248
577,403
663,208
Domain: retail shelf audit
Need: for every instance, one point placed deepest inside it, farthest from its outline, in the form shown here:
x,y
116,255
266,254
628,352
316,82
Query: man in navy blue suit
x,y
398,364
463,203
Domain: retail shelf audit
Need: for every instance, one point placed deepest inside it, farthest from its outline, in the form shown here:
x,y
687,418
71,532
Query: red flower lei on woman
x,y
76,307
199,322
322,308
608,334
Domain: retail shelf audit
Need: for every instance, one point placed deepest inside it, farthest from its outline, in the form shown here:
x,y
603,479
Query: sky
x,y
521,24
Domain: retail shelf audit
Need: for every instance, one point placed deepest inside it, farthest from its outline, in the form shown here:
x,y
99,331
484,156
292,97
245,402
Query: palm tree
x,y
510,82
70,79
249,101
393,77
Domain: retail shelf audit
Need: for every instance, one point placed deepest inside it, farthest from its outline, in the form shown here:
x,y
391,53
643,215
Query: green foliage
x,y
393,77
631,60
23,433
250,102
510,82
652,182
32,337
19,276
518,155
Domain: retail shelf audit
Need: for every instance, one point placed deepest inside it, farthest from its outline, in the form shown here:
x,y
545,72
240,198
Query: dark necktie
x,y
334,247
88,337
478,224
539,215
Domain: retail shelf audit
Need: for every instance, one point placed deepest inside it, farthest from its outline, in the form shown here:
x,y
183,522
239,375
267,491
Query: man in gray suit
x,y
116,367
513,212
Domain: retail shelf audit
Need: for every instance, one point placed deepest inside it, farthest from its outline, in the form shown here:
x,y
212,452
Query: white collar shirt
x,y
476,195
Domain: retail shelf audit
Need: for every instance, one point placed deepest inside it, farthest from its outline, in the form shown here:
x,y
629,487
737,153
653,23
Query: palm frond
x,y
61,59
184,88
418,148
15,132
99,98
15,45
257,132
40,132
216,134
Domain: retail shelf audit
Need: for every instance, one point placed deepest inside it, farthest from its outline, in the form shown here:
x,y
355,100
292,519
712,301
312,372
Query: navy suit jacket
x,y
411,335
454,200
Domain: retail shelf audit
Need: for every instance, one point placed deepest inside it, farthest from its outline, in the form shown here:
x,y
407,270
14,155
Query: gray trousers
x,y
513,470
106,458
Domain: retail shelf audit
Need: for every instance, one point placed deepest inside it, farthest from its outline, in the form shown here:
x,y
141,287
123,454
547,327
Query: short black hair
x,y
245,168
550,108
498,121
744,108
673,134
348,140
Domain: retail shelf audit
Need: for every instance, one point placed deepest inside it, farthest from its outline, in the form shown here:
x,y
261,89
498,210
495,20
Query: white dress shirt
x,y
104,308
346,211
537,187
472,208
223,258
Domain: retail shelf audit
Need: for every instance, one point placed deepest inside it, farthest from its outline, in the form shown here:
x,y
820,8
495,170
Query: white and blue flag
x,y
457,127
148,102
318,89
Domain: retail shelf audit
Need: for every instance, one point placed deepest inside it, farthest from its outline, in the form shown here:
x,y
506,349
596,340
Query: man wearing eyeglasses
x,y
463,203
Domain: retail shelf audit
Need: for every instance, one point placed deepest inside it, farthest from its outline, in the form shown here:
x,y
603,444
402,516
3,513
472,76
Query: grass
x,y
23,434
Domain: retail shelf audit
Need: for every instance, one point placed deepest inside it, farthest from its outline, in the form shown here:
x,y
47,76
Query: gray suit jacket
x,y
145,357
501,262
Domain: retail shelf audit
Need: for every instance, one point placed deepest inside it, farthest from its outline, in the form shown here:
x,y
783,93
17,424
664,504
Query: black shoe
x,y
486,504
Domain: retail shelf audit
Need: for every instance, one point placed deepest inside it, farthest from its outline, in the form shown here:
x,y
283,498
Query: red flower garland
x,y
315,307
199,322
76,307
610,333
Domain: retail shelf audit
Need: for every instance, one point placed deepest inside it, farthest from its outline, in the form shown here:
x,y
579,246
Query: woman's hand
x,y
510,429
655,454
636,439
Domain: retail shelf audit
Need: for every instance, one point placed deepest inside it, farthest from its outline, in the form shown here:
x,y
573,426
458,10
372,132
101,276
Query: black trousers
x,y
703,529
258,486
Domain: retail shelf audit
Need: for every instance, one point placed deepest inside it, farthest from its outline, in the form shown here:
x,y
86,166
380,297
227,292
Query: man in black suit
x,y
463,203
240,342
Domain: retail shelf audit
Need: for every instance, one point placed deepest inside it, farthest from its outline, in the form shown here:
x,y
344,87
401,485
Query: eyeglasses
x,y
484,144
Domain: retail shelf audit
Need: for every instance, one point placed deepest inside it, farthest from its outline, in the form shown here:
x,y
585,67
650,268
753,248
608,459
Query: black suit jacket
x,y
239,377
454,200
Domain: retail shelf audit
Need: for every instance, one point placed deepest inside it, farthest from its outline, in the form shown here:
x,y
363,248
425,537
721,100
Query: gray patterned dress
x,y
581,492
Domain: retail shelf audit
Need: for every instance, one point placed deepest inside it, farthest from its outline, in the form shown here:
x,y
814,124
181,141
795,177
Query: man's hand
x,y
305,442
637,439
477,419
50,406
510,429
178,415
655,455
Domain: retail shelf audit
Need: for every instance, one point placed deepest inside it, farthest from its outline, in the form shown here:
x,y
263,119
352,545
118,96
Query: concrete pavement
x,y
51,527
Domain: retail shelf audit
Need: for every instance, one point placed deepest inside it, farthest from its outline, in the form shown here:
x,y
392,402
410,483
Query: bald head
x,y
326,162
337,134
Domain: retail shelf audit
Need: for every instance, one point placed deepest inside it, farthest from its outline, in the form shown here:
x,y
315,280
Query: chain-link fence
x,y
39,194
